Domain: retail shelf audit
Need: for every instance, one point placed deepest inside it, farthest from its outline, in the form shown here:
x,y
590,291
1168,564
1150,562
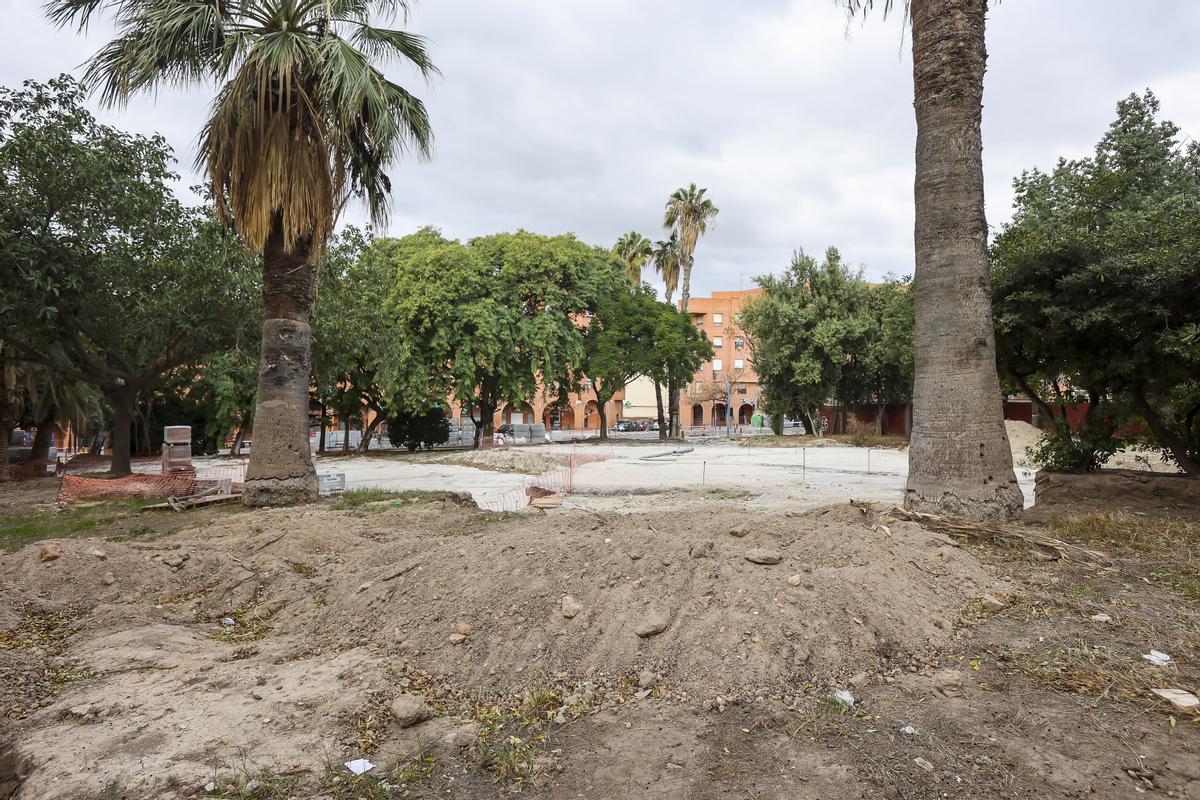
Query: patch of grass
x,y
43,628
380,783
300,568
252,785
18,531
250,622
358,498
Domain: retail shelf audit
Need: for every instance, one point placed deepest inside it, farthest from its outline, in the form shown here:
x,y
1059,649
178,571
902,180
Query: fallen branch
x,y
1000,534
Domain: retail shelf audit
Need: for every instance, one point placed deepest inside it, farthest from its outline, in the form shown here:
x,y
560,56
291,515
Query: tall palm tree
x,y
634,250
959,461
688,214
302,121
666,263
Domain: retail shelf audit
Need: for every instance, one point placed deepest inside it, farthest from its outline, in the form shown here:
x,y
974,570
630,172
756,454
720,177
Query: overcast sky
x,y
563,115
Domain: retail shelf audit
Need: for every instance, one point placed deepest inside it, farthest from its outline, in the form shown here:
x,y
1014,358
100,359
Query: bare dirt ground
x,y
662,654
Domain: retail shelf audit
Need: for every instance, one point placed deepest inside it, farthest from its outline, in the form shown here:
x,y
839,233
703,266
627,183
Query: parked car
x,y
505,430
625,426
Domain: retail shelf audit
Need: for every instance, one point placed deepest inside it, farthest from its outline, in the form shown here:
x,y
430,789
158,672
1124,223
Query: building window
x,y
741,390
718,319
739,343
739,363
717,341
717,365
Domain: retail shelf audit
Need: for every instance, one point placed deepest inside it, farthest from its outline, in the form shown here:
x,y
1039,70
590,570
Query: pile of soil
x,y
266,633
1126,491
524,461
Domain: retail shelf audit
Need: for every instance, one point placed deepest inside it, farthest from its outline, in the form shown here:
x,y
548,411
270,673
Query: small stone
x,y
923,764
702,549
859,680
464,628
647,679
252,786
108,579
763,555
98,553
635,555
228,622
51,551
795,580
1101,617
410,709
570,606
652,625
739,531
210,787
463,735
949,682
992,604
175,560
909,730
456,638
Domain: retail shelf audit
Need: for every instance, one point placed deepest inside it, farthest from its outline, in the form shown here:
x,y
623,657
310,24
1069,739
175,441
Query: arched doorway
x,y
518,414
560,418
697,415
718,417
591,416
745,414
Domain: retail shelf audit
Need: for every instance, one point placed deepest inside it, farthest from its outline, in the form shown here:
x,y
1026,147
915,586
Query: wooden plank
x,y
211,500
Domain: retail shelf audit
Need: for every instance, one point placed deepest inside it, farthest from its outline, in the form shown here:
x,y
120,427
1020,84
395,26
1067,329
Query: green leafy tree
x,y
302,121
959,460
879,371
114,283
349,333
487,322
679,349
1096,292
619,342
804,333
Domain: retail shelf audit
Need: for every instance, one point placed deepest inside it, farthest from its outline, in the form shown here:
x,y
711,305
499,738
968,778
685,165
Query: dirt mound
x,y
1160,494
269,634
524,461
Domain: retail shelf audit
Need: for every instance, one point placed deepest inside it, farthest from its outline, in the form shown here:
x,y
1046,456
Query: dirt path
x,y
655,655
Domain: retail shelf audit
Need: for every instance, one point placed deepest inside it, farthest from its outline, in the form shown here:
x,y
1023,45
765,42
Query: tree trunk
x,y
879,419
602,411
662,419
673,407
345,437
122,403
1165,436
685,292
324,427
40,451
959,461
6,430
281,468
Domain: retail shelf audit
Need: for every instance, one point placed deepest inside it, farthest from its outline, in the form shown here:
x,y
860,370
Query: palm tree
x,y
959,461
634,250
688,214
666,263
302,120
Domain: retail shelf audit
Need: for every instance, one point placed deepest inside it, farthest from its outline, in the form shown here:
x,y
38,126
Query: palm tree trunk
x,y
959,461
281,468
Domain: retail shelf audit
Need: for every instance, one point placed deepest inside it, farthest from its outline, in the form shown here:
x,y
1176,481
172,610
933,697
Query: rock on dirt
x,y
763,555
992,604
652,625
948,682
740,531
571,607
409,710
51,551
464,628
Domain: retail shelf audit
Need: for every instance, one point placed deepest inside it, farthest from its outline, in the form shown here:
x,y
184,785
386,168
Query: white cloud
x,y
558,115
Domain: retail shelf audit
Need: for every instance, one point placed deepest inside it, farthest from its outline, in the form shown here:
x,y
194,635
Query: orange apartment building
x,y
730,371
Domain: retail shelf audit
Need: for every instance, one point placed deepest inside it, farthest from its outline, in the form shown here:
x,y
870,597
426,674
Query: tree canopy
x,y
1097,289
820,333
110,281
